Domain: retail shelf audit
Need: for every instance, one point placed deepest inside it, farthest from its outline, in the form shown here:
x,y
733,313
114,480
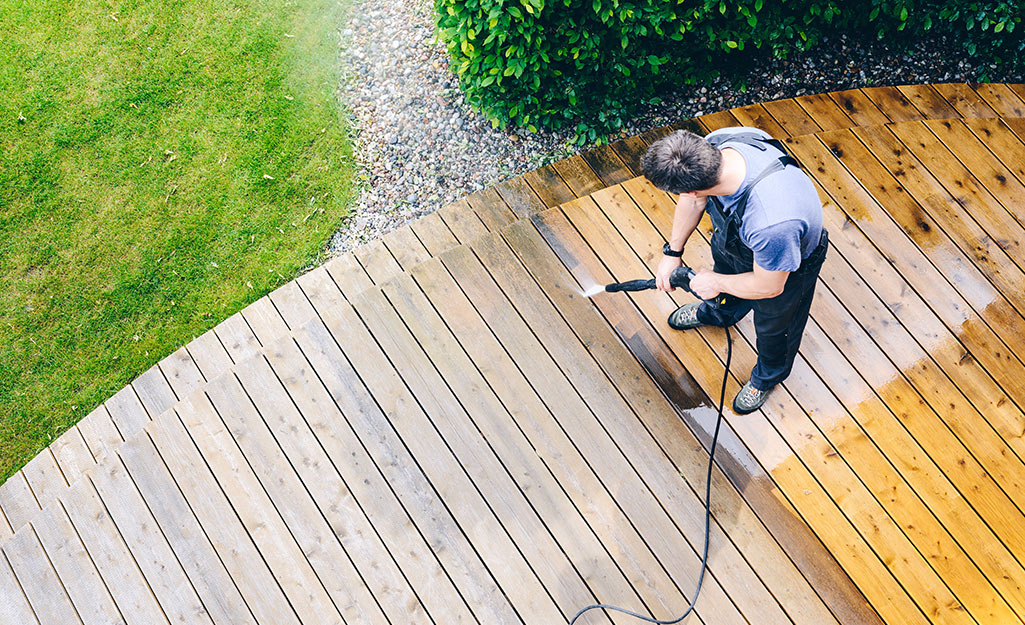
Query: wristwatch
x,y
668,251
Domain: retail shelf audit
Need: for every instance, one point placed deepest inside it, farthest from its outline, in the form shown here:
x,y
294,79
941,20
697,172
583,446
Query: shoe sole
x,y
739,411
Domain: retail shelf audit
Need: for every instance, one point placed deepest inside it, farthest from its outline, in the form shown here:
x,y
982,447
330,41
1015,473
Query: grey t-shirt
x,y
783,220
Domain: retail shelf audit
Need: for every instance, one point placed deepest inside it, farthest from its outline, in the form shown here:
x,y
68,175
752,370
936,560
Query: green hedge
x,y
990,31
589,63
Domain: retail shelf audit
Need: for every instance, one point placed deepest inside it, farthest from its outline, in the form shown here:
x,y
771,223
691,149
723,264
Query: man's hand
x,y
705,284
666,266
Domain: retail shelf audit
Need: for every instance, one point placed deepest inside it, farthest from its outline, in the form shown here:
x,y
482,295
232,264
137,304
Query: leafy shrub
x,y
590,63
536,63
990,31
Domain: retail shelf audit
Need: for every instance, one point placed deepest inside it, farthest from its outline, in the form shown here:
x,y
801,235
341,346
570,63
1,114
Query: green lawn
x,y
162,164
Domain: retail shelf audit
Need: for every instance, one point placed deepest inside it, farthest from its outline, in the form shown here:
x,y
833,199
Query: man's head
x,y
682,162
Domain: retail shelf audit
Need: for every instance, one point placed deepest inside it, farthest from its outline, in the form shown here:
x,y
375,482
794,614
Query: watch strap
x,y
668,251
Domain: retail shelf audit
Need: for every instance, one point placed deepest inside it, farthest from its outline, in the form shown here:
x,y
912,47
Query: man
x,y
767,243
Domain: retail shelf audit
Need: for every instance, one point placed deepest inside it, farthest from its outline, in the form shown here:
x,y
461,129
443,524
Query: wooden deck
x,y
438,428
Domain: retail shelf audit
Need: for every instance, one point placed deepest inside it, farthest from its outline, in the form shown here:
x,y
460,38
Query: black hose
x,y
708,513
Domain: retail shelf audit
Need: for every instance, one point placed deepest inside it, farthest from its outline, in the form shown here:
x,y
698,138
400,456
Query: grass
x,y
162,164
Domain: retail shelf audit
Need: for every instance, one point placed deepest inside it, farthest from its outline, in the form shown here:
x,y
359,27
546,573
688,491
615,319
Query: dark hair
x,y
682,162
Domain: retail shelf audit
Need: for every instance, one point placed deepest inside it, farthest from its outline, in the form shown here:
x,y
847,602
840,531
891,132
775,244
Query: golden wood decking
x,y
438,428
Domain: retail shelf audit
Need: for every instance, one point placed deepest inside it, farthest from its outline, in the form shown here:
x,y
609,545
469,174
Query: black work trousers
x,y
779,321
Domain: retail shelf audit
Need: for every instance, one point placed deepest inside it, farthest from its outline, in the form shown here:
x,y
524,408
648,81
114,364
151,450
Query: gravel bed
x,y
419,146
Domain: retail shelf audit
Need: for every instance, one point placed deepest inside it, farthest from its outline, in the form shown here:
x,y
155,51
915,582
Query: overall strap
x,y
747,137
777,165
760,142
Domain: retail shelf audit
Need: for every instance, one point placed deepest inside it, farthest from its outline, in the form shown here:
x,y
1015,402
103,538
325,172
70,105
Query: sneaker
x,y
685,317
749,399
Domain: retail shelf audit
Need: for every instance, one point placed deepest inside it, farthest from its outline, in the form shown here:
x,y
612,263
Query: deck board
x,y
438,428
405,247
237,337
965,100
71,453
1001,99
434,234
859,107
827,114
154,394
209,355
127,410
18,502
14,606
181,372
926,99
893,104
43,588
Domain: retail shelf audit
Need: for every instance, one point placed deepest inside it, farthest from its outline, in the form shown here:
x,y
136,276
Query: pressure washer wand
x,y
680,279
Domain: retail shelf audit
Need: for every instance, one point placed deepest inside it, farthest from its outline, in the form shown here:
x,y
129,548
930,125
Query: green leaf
x,y
731,44
758,5
904,14
653,60
999,27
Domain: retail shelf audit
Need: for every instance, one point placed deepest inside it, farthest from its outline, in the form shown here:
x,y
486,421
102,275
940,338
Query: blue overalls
x,y
779,321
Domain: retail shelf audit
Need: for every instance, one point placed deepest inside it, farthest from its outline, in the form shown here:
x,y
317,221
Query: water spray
x,y
680,278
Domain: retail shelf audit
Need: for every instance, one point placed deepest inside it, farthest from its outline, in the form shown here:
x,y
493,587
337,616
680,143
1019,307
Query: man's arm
x,y
777,246
689,210
758,284
685,220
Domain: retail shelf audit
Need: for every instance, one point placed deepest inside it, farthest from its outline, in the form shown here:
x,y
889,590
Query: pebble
x,y
419,145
